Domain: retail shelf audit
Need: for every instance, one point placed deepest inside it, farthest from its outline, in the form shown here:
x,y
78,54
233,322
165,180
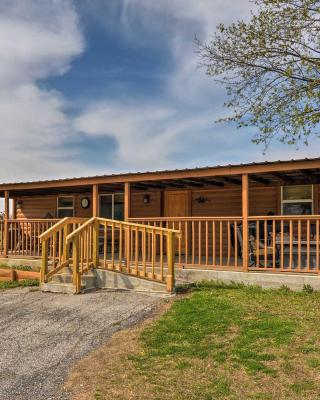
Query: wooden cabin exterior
x,y
258,216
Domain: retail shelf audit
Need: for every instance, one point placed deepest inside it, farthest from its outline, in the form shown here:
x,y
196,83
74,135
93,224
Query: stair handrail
x,y
81,228
62,225
56,227
133,224
74,239
117,224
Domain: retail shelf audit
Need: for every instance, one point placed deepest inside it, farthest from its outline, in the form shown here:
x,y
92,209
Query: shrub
x,y
307,289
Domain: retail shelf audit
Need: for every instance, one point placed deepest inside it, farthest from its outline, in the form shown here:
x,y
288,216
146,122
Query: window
x,y
112,206
297,200
65,206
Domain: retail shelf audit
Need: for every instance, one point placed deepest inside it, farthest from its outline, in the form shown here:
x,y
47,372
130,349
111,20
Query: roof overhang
x,y
264,172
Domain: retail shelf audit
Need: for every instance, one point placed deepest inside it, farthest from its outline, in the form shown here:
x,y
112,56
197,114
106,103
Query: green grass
x,y
14,284
98,395
231,342
17,267
8,284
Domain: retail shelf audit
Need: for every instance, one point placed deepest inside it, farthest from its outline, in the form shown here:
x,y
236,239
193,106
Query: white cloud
x,y
155,136
182,20
40,39
147,135
37,40
150,133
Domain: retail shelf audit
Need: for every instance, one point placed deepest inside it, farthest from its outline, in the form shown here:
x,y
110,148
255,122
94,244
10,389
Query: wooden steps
x,y
99,278
62,282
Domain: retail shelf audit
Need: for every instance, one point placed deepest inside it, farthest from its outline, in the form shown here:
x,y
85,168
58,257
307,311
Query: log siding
x,y
218,202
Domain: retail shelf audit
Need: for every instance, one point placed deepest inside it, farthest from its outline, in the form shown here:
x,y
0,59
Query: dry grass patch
x,y
220,342
107,366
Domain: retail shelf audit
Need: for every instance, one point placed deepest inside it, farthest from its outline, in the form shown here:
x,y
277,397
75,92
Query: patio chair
x,y
253,249
264,249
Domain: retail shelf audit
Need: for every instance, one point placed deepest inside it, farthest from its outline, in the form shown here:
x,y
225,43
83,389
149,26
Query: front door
x,y
177,204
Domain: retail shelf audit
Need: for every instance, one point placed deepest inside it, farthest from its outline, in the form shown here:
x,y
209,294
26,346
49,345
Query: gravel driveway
x,y
42,334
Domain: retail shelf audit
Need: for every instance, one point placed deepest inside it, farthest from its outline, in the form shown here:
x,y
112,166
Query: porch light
x,y
202,200
146,199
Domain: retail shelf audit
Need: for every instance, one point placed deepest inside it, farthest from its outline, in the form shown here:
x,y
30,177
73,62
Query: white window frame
x,y
299,200
65,208
112,206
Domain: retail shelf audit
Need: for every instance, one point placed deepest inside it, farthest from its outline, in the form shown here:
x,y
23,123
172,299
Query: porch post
x,y
126,218
127,196
6,224
95,201
245,214
95,236
14,208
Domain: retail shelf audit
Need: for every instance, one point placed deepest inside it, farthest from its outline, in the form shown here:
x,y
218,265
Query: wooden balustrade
x,y
284,243
208,242
275,243
139,250
2,237
21,238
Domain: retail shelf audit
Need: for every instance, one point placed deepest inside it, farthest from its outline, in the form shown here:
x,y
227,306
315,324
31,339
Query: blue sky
x,y
98,86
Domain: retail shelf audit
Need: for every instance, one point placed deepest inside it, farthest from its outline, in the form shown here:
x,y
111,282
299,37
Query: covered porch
x,y
249,217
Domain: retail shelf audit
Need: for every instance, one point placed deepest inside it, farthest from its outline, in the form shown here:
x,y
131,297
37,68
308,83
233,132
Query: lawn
x,y
219,342
13,284
6,283
17,267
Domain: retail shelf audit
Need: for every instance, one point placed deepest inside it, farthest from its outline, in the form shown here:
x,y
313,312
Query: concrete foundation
x,y
263,279
101,279
105,279
114,280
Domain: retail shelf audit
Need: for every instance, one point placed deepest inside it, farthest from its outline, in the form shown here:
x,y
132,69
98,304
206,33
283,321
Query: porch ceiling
x,y
85,189
294,177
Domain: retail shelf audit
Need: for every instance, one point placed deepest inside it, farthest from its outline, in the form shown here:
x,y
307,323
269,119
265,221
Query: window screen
x,y
297,200
65,206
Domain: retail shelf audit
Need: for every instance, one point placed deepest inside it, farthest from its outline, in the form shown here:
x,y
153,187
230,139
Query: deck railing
x,y
138,250
21,237
208,242
145,252
284,243
275,243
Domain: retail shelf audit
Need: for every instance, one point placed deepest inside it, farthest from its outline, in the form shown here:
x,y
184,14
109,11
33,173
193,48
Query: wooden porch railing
x,y
21,237
145,252
205,242
284,243
276,243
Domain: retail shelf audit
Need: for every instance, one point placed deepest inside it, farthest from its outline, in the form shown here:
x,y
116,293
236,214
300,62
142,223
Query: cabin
x,y
244,222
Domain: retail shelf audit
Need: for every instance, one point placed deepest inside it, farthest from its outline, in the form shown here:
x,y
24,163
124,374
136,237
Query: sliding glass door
x,y
112,206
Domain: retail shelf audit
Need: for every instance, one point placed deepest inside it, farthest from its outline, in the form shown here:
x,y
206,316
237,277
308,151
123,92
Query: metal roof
x,y
159,172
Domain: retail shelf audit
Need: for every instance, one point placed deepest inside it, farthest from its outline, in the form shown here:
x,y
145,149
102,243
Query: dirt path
x,y
43,334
